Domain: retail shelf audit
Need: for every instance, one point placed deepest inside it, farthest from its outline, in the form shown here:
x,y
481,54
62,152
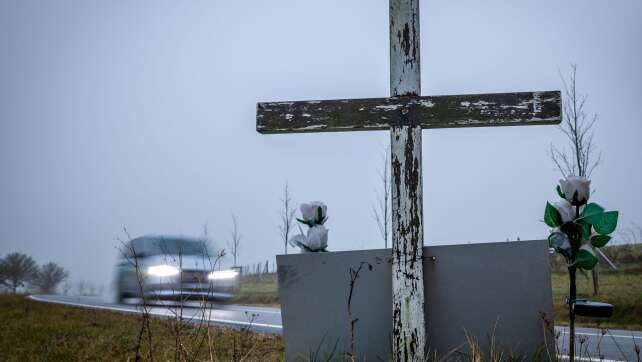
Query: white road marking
x,y
153,312
632,336
249,309
591,359
609,335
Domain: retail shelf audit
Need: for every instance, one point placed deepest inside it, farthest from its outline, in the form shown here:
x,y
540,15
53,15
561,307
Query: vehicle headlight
x,y
163,270
222,274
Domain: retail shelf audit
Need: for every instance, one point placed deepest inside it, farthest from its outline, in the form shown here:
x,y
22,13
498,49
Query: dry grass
x,y
34,331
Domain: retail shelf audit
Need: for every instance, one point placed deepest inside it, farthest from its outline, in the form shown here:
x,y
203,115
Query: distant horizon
x,y
144,116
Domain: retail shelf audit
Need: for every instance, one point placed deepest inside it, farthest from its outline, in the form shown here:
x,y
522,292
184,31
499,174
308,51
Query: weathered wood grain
x,y
451,111
408,322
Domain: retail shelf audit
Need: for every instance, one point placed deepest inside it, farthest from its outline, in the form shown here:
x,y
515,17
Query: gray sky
x,y
142,114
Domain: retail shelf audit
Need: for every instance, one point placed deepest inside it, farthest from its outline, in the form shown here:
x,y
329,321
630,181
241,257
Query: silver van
x,y
172,268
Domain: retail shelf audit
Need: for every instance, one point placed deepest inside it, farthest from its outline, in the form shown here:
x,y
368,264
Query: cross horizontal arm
x,y
452,111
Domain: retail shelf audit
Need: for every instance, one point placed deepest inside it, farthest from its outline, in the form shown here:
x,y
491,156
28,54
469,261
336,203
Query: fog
x,y
142,115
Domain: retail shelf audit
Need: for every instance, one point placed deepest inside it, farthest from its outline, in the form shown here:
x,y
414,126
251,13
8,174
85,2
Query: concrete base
x,y
474,290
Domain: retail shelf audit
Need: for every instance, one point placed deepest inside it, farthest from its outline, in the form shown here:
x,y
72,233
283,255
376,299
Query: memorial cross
x,y
405,114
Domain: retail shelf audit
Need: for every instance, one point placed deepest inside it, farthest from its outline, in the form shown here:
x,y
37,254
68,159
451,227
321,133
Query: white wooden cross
x,y
405,114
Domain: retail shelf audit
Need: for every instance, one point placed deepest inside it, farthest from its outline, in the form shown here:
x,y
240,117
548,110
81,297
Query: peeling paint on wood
x,y
408,329
405,119
451,111
405,70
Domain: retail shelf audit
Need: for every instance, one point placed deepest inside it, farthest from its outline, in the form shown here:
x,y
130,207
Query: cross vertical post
x,y
408,325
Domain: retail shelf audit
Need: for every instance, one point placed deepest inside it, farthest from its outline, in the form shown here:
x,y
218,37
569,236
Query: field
x,y
622,289
258,290
34,331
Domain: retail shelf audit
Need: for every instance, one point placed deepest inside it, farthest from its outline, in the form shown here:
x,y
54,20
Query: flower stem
x,y
573,295
571,302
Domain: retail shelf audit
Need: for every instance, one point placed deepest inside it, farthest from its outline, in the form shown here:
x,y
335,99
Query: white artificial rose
x,y
309,212
566,210
317,238
576,189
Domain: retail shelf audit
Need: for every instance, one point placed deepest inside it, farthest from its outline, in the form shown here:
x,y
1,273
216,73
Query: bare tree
x,y
381,210
234,244
287,217
631,235
16,270
623,250
81,288
66,287
49,276
577,126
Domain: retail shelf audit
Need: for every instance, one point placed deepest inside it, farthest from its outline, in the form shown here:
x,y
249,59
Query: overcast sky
x,y
141,114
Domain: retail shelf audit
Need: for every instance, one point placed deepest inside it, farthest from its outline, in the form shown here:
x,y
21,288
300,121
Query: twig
x,y
354,275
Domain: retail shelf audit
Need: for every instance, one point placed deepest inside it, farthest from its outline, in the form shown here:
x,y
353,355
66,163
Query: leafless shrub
x,y
234,244
381,210
354,275
48,277
130,254
287,217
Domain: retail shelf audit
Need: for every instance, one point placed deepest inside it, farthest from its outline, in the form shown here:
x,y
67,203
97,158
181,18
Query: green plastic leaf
x,y
559,191
585,258
305,222
599,241
552,217
607,223
585,229
592,213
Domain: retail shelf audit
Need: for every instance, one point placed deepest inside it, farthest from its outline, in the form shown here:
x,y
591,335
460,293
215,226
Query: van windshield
x,y
171,246
179,247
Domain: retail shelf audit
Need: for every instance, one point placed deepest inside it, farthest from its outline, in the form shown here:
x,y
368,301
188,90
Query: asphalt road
x,y
614,345
257,318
